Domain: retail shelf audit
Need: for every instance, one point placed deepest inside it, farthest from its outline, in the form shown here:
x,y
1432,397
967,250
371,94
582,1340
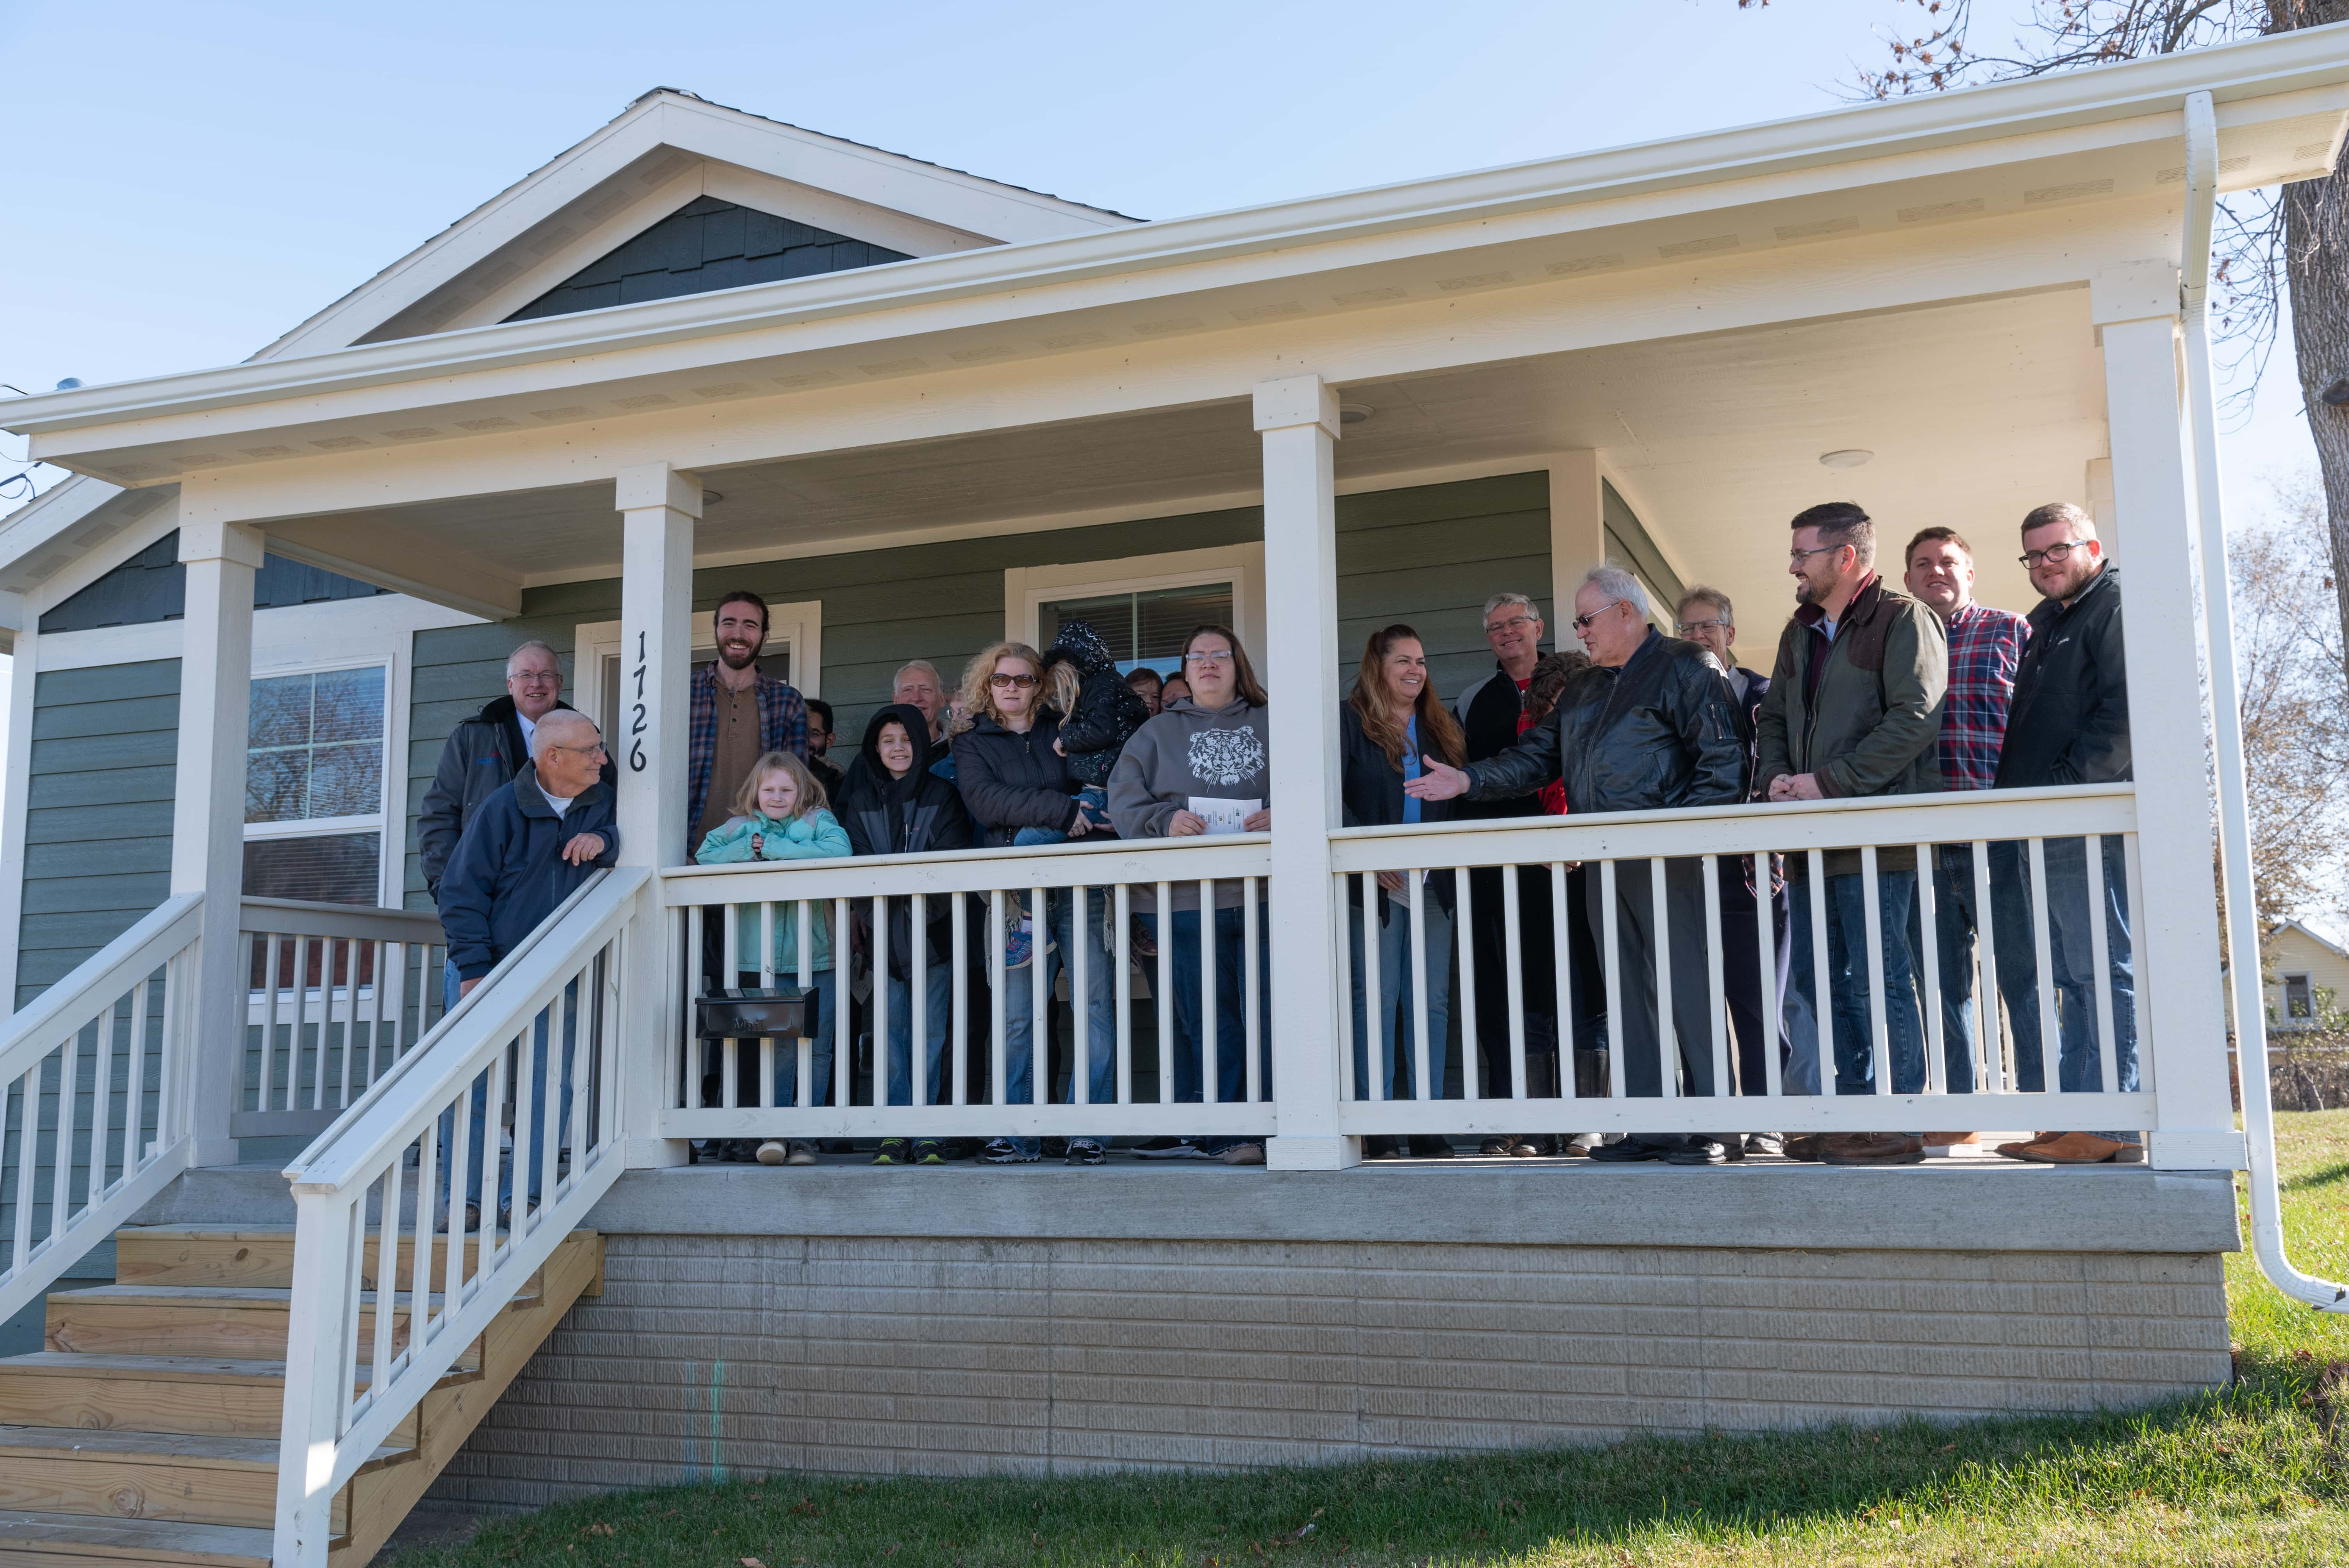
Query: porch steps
x,y
147,1431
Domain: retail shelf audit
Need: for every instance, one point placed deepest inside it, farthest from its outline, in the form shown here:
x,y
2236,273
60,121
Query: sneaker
x,y
1874,1149
927,1151
773,1152
1427,1146
1579,1146
2084,1149
1497,1147
1765,1143
1530,1145
1243,1154
1704,1152
1086,1152
801,1152
891,1152
1630,1152
1811,1147
1003,1151
1018,945
1140,943
473,1220
1168,1149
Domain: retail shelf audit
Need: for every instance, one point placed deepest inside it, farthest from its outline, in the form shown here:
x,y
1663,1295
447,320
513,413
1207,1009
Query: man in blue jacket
x,y
531,845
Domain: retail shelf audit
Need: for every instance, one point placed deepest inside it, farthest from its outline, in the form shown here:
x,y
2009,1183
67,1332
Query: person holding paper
x,y
1204,766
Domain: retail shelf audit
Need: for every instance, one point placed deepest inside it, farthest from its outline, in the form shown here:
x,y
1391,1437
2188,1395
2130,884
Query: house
x,y
917,410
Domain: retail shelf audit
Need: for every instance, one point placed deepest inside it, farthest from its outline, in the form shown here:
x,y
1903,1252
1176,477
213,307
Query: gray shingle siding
x,y
153,586
97,825
706,244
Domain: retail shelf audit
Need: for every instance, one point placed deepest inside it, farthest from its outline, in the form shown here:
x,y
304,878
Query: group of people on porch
x,y
1879,688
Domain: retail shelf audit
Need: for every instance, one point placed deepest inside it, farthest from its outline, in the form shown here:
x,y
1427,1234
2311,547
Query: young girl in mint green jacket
x,y
781,815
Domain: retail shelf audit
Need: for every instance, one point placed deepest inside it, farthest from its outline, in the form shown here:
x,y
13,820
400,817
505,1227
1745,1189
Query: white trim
x,y
1027,588
15,797
284,638
391,879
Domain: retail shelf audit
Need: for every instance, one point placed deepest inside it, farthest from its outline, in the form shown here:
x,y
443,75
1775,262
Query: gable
x,y
706,244
153,586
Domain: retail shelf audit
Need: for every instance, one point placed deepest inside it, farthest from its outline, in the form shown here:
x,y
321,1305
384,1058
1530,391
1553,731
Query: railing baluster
x,y
1039,1000
803,1090
134,1109
1163,992
1773,1004
386,1281
1464,958
562,1031
2051,1045
29,1129
1252,989
461,1176
343,1364
1562,942
843,1066
1081,933
420,1257
767,983
1419,998
297,1048
275,983
102,1108
1381,1040
1823,998
1879,1039
1993,1072
959,913
1513,944
1667,1034
998,1032
1349,1080
2099,942
1611,957
68,1112
1926,963
2145,1023
350,950
918,996
1211,1045
1123,904
1716,947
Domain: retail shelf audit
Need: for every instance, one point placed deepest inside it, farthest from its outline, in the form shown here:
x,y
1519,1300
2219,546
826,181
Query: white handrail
x,y
552,1005
2242,976
100,987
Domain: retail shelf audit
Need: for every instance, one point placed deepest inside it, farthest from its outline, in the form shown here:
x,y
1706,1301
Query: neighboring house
x,y
2307,974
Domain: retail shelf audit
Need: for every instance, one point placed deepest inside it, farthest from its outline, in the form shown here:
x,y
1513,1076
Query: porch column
x,y
1577,535
658,506
208,800
2181,1016
1298,418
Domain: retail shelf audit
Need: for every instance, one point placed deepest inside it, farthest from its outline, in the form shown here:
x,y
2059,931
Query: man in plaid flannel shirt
x,y
1986,646
727,696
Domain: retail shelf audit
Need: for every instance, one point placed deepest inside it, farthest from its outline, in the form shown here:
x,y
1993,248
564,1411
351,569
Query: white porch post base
x,y
208,804
658,506
1297,417
2181,1015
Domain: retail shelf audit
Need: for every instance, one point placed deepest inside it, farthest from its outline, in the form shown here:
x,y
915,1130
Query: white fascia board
x,y
1969,126
285,636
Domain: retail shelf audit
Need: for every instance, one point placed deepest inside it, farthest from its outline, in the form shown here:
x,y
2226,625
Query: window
x,y
1143,627
314,788
2299,998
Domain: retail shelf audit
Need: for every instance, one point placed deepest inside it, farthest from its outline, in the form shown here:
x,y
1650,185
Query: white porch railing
x,y
1623,847
1099,1084
542,1030
97,1091
337,994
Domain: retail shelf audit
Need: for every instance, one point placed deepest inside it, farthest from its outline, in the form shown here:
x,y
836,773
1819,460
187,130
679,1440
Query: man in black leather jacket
x,y
1651,725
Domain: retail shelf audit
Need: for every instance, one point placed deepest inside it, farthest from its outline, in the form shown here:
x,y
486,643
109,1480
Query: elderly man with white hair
x,y
1651,725
529,847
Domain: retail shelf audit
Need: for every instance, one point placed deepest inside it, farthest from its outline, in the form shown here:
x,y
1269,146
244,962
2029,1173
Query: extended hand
x,y
1185,825
586,847
465,987
1796,786
1256,821
1438,782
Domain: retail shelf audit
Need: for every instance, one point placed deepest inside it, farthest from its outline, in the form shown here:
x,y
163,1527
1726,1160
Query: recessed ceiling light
x,y
1849,458
711,497
1354,413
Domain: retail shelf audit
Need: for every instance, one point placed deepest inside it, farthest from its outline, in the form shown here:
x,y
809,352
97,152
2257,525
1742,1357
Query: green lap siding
x,y
97,824
1430,555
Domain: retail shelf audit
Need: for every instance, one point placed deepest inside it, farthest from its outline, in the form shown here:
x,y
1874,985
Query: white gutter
x,y
2242,975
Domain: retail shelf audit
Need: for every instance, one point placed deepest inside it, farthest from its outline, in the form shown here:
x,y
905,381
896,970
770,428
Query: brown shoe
x,y
1951,1140
1874,1148
1809,1146
2015,1150
2083,1148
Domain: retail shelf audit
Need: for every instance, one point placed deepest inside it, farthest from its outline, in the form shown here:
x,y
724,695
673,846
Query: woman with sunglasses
x,y
1012,776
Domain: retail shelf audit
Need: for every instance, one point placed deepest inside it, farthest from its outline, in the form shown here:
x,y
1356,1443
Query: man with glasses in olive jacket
x,y
1650,726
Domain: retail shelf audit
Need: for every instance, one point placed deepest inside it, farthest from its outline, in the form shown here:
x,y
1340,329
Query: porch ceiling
x,y
1976,412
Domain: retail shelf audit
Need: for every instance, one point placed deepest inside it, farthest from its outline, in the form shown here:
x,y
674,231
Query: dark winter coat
x,y
1013,780
918,814
1488,713
1663,731
2068,723
509,875
481,755
1107,711
1370,795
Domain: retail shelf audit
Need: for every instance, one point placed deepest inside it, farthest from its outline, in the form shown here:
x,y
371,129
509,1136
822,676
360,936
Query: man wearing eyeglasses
x,y
484,752
1854,709
2068,724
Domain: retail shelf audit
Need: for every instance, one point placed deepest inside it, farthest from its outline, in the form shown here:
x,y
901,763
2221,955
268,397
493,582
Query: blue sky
x,y
190,180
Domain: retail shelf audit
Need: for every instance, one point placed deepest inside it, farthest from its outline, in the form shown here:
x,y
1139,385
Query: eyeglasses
x,y
1691,628
536,677
594,750
2054,554
1582,623
1799,556
1514,624
1001,680
1209,657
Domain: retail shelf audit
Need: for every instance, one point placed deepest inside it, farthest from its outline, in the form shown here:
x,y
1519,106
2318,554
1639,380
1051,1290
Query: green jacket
x,y
1874,724
816,836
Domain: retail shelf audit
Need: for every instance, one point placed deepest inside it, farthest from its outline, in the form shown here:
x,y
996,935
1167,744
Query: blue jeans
x,y
1100,1007
938,996
1957,928
537,1070
1848,987
2072,963
1096,804
1398,1041
1231,1008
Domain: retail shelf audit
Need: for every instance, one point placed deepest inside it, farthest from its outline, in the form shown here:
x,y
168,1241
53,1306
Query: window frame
x,y
801,622
2284,987
391,799
1028,588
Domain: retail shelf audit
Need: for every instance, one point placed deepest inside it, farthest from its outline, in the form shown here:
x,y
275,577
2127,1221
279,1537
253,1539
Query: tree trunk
x,y
2316,268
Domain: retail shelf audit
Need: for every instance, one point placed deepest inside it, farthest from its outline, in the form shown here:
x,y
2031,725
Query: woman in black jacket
x,y
1392,718
1012,777
892,804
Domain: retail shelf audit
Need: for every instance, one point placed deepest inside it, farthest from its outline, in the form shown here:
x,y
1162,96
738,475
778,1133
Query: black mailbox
x,y
780,1013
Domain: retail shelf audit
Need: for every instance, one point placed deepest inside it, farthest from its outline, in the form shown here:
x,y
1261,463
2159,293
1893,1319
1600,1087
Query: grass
x,y
2254,1474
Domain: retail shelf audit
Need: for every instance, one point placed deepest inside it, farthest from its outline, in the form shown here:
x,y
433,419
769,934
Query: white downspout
x,y
2235,813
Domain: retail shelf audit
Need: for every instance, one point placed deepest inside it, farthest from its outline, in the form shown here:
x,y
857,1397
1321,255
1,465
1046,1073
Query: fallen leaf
x,y
752,1562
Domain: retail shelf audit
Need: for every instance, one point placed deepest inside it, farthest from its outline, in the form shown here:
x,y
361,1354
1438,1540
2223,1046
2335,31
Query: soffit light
x,y
1847,458
1354,413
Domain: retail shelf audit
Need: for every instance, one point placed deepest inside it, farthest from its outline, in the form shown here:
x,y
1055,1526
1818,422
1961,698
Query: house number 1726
x,y
637,723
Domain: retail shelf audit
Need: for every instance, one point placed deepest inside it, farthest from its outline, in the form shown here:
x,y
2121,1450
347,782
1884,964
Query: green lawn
x,y
2255,1475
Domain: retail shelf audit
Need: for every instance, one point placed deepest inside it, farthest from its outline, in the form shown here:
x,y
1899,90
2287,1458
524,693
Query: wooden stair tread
x,y
195,1450
171,1369
216,1295
104,1539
